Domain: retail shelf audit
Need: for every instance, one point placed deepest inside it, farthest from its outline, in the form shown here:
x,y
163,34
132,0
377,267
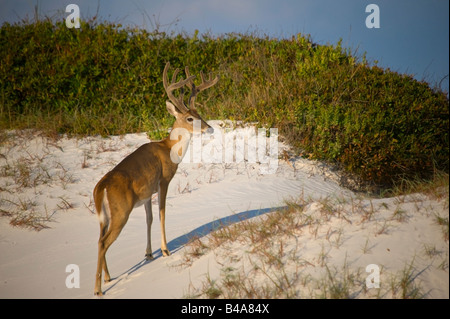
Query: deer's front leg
x,y
148,212
162,193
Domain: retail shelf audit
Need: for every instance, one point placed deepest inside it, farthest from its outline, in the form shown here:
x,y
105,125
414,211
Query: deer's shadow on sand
x,y
176,244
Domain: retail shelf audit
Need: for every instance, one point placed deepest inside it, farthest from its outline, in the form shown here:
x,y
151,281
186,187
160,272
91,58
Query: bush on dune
x,y
106,79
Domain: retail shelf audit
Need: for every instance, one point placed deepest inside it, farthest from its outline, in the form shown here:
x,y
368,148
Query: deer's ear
x,y
172,109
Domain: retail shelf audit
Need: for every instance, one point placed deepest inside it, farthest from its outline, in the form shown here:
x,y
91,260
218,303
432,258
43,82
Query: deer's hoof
x,y
165,252
98,293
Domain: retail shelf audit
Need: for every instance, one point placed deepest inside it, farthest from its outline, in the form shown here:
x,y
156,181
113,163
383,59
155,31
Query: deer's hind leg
x,y
109,231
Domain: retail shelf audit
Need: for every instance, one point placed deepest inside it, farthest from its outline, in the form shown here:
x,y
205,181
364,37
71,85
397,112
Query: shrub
x,y
106,79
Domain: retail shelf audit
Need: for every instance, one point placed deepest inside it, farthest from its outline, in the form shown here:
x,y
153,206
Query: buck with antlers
x,y
146,171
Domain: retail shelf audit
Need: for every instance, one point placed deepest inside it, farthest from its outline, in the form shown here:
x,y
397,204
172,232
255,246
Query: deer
x,y
146,171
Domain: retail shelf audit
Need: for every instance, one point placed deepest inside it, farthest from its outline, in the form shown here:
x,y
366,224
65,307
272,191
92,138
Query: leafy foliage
x,y
106,79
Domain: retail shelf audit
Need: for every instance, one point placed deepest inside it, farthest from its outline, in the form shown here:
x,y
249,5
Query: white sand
x,y
63,173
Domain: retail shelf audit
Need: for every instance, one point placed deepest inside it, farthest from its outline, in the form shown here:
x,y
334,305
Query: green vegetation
x,y
105,79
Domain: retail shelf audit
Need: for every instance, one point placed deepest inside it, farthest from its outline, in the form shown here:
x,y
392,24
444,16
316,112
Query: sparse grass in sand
x,y
29,172
294,252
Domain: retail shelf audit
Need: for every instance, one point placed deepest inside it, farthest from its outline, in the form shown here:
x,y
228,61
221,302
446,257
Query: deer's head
x,y
186,116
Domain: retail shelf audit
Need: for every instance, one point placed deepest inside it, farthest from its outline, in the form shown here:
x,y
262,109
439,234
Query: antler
x,y
196,89
178,102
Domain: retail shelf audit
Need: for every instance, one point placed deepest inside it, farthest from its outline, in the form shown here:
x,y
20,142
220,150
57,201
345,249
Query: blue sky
x,y
413,36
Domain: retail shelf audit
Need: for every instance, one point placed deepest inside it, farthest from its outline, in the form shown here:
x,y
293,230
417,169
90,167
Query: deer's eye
x,y
190,119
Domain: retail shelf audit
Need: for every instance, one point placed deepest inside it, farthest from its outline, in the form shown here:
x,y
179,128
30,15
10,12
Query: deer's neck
x,y
178,143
